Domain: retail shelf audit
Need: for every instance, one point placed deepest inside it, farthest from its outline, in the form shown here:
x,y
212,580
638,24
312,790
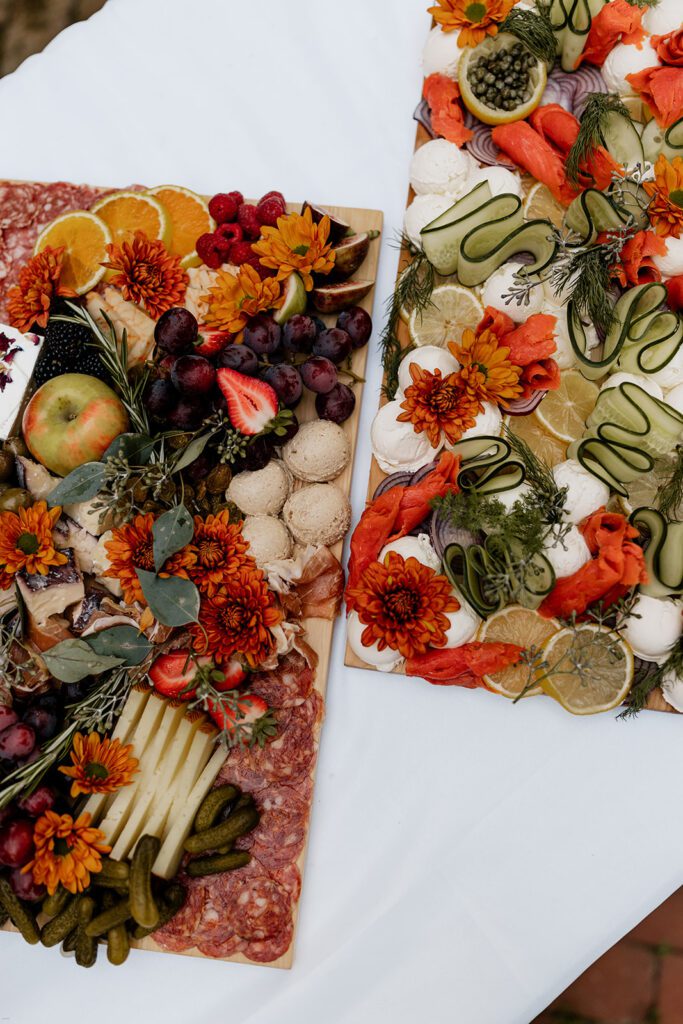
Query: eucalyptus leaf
x,y
173,601
81,484
171,532
192,452
73,660
137,448
124,642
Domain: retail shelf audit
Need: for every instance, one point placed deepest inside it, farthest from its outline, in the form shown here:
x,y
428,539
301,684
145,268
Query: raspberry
x,y
237,196
208,251
222,246
262,271
223,208
248,220
269,210
230,232
273,195
241,252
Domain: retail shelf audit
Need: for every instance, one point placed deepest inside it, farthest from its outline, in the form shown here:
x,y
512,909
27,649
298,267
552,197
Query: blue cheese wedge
x,y
53,593
18,356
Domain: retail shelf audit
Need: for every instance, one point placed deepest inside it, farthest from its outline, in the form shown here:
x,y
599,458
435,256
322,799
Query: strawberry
x,y
210,342
223,207
251,706
172,673
251,403
248,221
269,210
233,673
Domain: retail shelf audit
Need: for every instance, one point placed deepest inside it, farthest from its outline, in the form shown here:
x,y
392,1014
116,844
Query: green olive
x,y
218,479
6,465
14,498
17,446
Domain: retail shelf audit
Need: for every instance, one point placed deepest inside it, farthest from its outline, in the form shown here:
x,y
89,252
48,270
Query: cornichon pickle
x,y
108,919
219,862
20,916
170,903
239,823
4,916
56,930
85,945
54,904
143,906
118,946
212,805
69,943
114,869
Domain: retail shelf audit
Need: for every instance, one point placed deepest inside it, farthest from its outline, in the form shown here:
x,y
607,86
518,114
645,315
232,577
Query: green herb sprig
x,y
533,28
550,498
669,499
592,128
413,290
640,693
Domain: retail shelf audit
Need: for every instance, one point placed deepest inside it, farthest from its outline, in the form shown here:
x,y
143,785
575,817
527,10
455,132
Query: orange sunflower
x,y
99,765
486,372
434,404
238,619
217,551
666,191
476,19
297,244
66,852
402,603
147,274
26,540
235,298
29,301
132,547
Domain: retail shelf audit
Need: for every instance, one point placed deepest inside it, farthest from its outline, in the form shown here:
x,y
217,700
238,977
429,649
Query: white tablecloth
x,y
468,858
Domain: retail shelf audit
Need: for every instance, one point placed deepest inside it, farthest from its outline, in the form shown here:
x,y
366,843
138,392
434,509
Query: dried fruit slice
x,y
190,218
516,625
588,669
563,413
251,403
127,212
85,238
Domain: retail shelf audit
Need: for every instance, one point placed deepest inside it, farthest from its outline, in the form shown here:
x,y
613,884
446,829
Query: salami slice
x,y
264,951
290,878
223,947
280,835
261,907
288,757
178,934
286,686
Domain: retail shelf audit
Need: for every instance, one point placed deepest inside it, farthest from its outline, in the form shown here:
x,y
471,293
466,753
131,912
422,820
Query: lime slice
x,y
295,300
588,669
451,310
516,625
563,413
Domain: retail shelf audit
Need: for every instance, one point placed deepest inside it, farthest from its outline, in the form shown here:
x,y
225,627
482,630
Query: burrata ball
x,y
585,493
670,263
396,445
513,494
566,550
441,54
384,660
419,547
671,375
500,284
488,423
501,181
662,17
647,384
653,627
440,167
463,624
672,688
422,211
428,357
627,59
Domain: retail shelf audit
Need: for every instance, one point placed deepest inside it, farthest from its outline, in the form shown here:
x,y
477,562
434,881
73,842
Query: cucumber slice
x,y
663,553
621,139
479,195
575,34
593,212
441,238
477,263
656,140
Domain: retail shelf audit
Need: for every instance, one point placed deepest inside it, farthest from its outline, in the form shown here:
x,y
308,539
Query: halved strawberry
x,y
210,342
234,675
171,673
251,402
251,706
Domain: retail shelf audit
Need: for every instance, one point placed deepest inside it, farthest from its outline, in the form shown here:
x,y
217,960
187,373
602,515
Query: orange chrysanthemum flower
x,y
66,852
403,604
29,301
99,765
666,205
476,19
238,619
486,373
235,298
147,274
217,551
26,540
297,244
434,404
132,547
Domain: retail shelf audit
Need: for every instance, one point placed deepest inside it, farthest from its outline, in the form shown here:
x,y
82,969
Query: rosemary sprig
x,y
533,28
638,697
592,128
669,497
413,289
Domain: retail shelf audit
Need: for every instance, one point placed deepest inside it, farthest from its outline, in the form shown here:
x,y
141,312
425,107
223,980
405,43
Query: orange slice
x,y
190,218
85,238
124,213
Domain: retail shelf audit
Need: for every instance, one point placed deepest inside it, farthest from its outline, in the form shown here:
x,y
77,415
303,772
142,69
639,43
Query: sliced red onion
x,y
571,89
443,534
588,80
395,480
423,115
424,527
420,474
482,147
523,406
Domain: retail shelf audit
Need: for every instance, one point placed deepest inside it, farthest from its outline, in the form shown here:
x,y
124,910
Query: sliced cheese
x,y
174,758
128,719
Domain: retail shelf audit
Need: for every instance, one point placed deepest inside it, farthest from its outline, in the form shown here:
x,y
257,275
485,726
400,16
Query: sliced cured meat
x,y
290,878
289,756
280,835
321,585
225,947
287,685
264,951
260,908
213,927
178,934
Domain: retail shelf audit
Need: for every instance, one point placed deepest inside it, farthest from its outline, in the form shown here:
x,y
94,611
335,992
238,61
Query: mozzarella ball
x,y
440,167
670,263
647,384
421,212
585,493
627,59
501,181
653,627
674,398
671,375
663,17
672,688
384,660
395,444
428,357
566,551
499,284
441,54
419,547
488,423
513,494
463,625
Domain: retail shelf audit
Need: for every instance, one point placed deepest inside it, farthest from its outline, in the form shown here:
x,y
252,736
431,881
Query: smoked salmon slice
x,y
616,22
533,154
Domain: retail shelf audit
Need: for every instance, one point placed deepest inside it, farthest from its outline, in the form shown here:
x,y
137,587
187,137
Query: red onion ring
x,y
523,406
423,115
421,473
395,480
443,534
571,89
482,147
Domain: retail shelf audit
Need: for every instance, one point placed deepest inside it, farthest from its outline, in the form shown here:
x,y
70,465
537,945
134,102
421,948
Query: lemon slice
x,y
538,76
588,669
643,490
85,238
563,413
451,310
124,213
190,218
548,448
541,204
516,625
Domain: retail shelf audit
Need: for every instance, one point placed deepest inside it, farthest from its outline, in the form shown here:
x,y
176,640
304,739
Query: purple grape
x,y
285,380
358,325
333,344
43,721
337,405
164,368
176,330
160,397
319,374
187,415
6,813
16,843
320,325
259,453
193,375
25,888
298,334
8,716
40,800
262,334
240,358
16,742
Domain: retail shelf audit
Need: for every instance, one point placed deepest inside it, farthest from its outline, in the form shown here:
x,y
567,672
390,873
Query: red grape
x,y
16,843
318,374
285,380
40,800
240,358
6,813
358,325
8,716
333,344
337,404
176,330
298,334
193,375
262,334
17,741
160,397
259,453
165,366
187,415
25,888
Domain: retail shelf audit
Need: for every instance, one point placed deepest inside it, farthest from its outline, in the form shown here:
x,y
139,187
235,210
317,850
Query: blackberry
x,y
66,349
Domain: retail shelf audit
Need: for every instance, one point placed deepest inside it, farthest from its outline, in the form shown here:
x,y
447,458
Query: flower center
x,y
444,399
676,197
95,770
402,604
210,553
61,847
28,544
475,11
144,555
234,617
301,250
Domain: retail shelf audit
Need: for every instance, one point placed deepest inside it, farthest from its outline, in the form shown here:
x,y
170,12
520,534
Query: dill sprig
x,y
651,679
642,3
523,525
533,28
413,290
670,492
593,125
538,474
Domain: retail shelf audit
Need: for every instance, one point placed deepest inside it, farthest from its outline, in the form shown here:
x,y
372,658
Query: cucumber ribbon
x,y
663,553
487,466
571,21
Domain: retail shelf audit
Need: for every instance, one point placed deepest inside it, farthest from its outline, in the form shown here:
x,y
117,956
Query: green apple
x,y
72,419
